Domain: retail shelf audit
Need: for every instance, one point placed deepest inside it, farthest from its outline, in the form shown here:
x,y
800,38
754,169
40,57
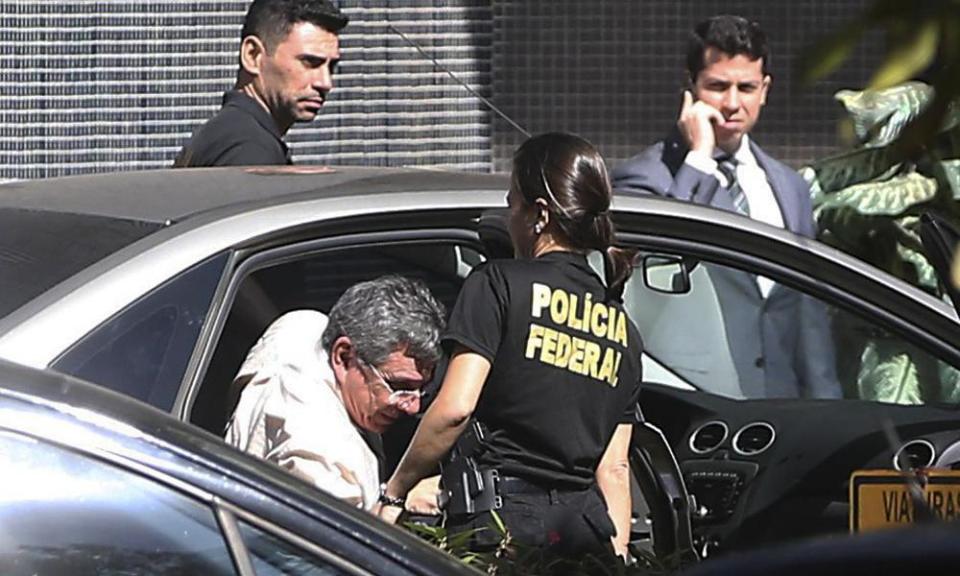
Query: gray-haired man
x,y
315,385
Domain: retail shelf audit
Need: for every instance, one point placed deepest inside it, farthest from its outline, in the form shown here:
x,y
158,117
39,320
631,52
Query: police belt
x,y
468,488
514,485
483,490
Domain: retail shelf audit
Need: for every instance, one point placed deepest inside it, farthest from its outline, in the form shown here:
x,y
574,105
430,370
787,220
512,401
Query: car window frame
x,y
229,515
129,465
859,288
218,264
222,510
245,262
790,264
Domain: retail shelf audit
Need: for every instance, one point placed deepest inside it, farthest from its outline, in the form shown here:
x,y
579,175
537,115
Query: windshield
x,y
39,249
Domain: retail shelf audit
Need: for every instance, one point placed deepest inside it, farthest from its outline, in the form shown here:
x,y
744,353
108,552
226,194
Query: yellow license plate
x,y
881,498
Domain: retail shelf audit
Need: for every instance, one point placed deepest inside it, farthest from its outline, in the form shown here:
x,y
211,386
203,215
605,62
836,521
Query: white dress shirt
x,y
753,181
291,412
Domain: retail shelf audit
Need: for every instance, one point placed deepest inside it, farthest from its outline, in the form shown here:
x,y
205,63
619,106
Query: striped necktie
x,y
728,167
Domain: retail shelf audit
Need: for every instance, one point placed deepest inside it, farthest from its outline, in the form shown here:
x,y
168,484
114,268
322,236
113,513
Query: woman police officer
x,y
546,359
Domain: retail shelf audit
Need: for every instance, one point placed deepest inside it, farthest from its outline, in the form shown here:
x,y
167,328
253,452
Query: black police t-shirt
x,y
565,365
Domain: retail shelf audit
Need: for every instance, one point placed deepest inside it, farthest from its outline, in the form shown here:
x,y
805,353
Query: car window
x,y
63,513
742,336
316,280
143,351
272,556
39,249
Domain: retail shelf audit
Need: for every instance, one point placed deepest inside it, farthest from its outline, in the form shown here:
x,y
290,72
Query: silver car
x,y
155,284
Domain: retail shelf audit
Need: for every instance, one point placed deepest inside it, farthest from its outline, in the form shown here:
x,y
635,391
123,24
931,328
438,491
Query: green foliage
x,y
922,38
512,559
867,201
878,117
890,197
887,373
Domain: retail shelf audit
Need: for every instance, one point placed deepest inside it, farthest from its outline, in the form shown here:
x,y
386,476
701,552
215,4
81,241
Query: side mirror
x,y
666,274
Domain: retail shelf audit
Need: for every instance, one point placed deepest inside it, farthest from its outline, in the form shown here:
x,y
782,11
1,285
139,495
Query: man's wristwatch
x,y
389,500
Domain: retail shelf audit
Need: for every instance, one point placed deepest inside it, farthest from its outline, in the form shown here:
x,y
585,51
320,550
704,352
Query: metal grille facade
x,y
101,85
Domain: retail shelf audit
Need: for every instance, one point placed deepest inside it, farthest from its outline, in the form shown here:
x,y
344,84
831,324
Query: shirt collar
x,y
252,107
744,155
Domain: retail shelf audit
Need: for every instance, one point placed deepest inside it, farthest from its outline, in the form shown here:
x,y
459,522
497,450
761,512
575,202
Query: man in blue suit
x,y
711,160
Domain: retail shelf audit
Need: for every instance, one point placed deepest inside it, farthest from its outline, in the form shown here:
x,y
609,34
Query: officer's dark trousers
x,y
561,522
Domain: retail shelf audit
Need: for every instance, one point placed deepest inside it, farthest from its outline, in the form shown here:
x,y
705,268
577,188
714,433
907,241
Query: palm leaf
x,y
878,116
843,170
891,197
926,273
887,374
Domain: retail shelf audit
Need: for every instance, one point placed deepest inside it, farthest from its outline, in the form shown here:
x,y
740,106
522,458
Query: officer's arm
x,y
613,477
443,422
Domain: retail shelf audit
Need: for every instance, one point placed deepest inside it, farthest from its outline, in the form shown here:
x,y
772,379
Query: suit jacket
x,y
781,345
660,170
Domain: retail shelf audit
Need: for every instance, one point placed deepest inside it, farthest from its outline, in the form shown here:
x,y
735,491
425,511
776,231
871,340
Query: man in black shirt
x,y
288,54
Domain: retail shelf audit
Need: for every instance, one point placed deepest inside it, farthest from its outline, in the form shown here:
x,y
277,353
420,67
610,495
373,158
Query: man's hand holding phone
x,y
696,124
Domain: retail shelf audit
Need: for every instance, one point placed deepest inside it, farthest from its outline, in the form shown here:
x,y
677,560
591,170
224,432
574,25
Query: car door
x,y
799,356
97,483
311,269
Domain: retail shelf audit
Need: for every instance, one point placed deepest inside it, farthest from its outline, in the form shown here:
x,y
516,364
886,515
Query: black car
x,y
97,483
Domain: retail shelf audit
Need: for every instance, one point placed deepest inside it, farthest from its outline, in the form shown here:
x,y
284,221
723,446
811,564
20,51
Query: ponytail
x,y
617,262
618,266
569,174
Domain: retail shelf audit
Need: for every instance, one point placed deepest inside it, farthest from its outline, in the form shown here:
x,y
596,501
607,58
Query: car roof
x,y
96,420
170,195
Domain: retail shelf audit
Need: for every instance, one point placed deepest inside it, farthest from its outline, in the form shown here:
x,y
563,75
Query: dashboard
x,y
767,471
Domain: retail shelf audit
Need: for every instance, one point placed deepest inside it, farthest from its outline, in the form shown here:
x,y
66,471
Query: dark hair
x,y
570,175
732,35
387,314
271,20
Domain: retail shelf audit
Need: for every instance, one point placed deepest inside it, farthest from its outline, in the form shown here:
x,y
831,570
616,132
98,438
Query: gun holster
x,y
472,491
467,489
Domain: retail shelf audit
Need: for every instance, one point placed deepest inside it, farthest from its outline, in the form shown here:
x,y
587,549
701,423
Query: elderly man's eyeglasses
x,y
401,396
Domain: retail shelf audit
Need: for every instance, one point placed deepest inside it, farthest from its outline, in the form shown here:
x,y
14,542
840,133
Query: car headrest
x,y
493,229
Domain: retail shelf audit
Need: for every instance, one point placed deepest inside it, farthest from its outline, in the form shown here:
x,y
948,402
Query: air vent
x,y
754,438
708,436
916,453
